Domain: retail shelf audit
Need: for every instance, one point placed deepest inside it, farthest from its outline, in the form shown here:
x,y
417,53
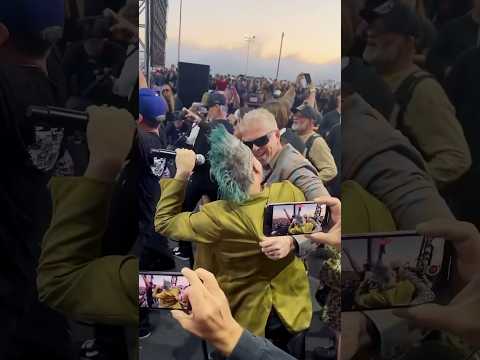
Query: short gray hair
x,y
260,115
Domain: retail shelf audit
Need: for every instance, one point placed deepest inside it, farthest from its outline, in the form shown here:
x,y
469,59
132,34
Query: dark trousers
x,y
277,333
41,333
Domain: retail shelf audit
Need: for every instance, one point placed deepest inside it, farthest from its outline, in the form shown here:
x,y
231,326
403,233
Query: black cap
x,y
306,111
216,98
397,17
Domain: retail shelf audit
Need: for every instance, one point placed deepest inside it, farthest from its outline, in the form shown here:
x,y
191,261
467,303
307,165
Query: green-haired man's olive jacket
x,y
253,283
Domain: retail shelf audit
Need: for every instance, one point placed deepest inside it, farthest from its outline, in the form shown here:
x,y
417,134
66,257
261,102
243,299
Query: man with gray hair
x,y
259,131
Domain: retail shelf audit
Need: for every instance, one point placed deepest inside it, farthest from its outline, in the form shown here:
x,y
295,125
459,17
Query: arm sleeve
x,y
72,277
323,160
251,347
309,183
312,187
185,226
406,190
431,121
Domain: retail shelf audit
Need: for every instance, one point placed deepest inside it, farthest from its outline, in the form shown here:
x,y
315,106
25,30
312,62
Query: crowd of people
x,y
90,64
396,142
249,91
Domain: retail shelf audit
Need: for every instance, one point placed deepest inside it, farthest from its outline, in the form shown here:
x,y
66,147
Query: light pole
x,y
249,39
179,32
280,55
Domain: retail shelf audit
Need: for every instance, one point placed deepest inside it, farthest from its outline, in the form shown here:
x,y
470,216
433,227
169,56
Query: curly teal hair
x,y
230,165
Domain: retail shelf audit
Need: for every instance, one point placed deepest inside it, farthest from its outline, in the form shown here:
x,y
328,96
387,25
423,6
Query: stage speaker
x,y
193,82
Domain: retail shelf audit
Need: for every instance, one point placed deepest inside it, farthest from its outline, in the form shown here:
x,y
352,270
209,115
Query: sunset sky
x,y
213,33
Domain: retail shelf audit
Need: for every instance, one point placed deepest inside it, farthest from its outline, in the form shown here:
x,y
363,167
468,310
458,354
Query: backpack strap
x,y
309,144
404,95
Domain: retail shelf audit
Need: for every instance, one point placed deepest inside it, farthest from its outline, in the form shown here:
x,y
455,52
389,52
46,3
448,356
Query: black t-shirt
x,y
463,87
202,145
28,156
29,153
369,85
456,37
150,169
330,120
176,137
201,183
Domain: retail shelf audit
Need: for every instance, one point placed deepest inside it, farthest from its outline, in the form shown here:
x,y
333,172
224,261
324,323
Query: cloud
x,y
233,61
264,49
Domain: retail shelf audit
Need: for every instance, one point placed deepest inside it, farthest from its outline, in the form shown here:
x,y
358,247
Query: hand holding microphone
x,y
172,154
185,162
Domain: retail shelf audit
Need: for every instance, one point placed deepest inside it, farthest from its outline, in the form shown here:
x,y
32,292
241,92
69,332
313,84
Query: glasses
x,y
165,90
261,141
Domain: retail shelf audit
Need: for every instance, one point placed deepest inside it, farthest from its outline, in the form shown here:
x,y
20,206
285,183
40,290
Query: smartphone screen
x,y
161,290
383,271
308,78
295,218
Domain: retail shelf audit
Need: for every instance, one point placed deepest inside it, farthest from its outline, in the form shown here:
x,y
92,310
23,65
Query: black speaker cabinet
x,y
192,82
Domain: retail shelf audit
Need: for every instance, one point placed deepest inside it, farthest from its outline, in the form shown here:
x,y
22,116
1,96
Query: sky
x,y
213,33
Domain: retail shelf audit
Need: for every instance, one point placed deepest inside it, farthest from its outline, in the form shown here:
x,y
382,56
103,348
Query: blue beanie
x,y
153,107
32,16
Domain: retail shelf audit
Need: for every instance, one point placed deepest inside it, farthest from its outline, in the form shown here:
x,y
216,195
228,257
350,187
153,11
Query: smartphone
x,y
308,78
391,270
295,218
163,291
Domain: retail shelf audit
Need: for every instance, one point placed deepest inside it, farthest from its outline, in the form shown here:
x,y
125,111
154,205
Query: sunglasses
x,y
261,141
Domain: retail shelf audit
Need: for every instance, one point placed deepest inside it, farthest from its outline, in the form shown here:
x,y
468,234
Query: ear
x,y
277,134
257,167
4,34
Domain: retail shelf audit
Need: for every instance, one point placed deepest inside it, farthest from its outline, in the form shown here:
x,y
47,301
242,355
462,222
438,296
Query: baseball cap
x,y
153,107
397,17
215,98
33,16
306,111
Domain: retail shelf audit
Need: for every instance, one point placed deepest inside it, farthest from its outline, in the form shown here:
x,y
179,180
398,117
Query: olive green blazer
x,y
254,284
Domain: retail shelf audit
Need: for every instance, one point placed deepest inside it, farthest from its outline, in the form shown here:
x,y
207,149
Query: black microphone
x,y
59,117
171,154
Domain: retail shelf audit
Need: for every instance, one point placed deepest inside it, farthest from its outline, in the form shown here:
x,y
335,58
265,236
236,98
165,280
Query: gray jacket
x,y
251,347
386,164
292,166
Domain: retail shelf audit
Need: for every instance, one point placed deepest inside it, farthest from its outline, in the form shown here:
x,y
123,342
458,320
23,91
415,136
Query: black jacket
x,y
457,36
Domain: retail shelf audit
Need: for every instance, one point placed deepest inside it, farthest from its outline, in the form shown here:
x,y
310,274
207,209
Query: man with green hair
x,y
260,291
